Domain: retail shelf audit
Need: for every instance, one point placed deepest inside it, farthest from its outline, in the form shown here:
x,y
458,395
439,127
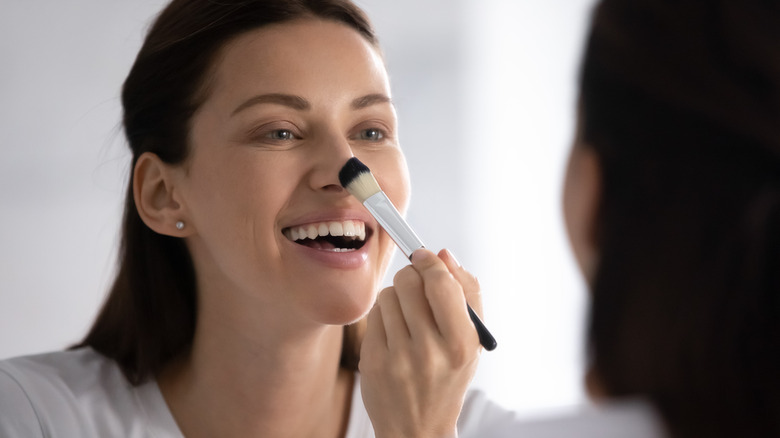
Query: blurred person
x,y
672,206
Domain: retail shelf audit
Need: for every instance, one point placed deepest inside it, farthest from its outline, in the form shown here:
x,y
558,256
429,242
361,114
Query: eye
x,y
281,134
372,134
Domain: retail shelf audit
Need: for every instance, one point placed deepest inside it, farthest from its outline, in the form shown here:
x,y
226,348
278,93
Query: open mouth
x,y
335,236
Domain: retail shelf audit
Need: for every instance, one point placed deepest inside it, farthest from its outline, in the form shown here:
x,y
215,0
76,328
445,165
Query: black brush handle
x,y
485,338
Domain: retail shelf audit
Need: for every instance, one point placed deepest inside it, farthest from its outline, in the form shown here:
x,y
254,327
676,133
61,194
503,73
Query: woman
x,y
244,264
672,203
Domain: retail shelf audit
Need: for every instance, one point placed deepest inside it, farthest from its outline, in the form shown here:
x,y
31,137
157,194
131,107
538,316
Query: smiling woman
x,y
246,270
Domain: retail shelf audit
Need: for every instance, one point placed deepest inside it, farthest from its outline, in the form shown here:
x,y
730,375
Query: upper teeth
x,y
355,229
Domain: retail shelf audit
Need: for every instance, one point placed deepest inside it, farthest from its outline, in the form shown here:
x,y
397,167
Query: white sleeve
x,y
480,417
18,418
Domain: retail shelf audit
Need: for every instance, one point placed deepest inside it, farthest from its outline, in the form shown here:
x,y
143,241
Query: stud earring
x,y
179,225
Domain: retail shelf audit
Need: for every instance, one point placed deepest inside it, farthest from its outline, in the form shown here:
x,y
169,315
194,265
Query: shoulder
x,y
481,416
64,375
610,420
18,417
65,366
614,419
66,393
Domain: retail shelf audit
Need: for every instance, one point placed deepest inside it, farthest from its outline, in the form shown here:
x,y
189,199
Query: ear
x,y
157,196
581,198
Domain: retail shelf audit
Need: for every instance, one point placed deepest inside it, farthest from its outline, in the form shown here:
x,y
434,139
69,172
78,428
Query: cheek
x,y
580,201
392,174
213,190
231,192
573,211
569,198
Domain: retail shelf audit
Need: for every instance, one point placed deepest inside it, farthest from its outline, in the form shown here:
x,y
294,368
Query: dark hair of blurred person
x,y
680,113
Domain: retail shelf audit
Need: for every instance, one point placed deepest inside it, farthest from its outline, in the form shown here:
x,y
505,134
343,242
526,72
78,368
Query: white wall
x,y
484,90
520,92
63,162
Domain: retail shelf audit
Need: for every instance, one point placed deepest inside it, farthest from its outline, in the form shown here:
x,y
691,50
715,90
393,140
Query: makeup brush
x,y
360,183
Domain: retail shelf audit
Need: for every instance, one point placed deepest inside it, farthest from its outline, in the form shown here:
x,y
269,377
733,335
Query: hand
x,y
420,350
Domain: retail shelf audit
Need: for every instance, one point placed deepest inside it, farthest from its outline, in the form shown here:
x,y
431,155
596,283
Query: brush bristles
x,y
357,179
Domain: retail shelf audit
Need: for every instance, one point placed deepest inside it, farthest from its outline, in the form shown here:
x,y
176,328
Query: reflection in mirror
x,y
485,97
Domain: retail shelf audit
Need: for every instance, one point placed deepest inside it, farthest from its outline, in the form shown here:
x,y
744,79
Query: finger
x,y
468,282
396,331
444,294
409,288
375,336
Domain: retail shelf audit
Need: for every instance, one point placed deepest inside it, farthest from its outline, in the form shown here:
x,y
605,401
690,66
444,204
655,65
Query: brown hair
x,y
149,315
681,103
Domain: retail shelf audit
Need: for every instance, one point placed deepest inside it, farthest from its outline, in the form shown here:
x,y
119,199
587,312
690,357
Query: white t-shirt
x,y
80,393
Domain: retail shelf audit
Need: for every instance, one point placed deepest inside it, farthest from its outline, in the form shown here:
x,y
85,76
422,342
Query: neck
x,y
261,379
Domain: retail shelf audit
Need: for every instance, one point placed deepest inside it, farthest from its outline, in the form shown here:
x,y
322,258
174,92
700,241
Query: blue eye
x,y
372,134
281,134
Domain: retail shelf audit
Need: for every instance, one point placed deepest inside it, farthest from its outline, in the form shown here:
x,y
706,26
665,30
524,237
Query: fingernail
x,y
451,256
420,255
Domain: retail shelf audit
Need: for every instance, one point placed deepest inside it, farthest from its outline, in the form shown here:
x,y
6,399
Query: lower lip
x,y
339,260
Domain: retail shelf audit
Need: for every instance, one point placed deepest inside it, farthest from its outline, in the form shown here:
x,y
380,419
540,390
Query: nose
x,y
329,156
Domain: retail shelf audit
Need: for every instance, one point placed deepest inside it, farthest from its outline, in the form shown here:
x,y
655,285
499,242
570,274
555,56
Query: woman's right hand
x,y
420,350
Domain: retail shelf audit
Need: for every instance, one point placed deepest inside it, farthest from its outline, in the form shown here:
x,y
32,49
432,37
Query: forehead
x,y
309,56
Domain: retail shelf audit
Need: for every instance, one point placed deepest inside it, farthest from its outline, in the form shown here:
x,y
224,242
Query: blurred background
x,y
485,92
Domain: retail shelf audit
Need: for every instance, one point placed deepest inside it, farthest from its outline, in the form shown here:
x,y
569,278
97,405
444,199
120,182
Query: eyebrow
x,y
294,102
301,104
371,99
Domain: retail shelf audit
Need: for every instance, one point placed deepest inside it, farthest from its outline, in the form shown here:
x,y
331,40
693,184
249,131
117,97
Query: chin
x,y
345,308
349,313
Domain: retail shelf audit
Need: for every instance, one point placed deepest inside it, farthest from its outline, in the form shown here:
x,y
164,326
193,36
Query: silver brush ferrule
x,y
393,223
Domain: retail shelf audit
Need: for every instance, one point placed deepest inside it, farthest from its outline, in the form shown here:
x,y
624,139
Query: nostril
x,y
333,188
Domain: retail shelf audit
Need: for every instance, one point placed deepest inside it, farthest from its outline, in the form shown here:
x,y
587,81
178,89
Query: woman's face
x,y
287,106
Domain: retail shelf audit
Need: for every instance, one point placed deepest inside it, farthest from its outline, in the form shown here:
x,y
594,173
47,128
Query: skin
x,y
423,348
581,189
287,105
581,194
